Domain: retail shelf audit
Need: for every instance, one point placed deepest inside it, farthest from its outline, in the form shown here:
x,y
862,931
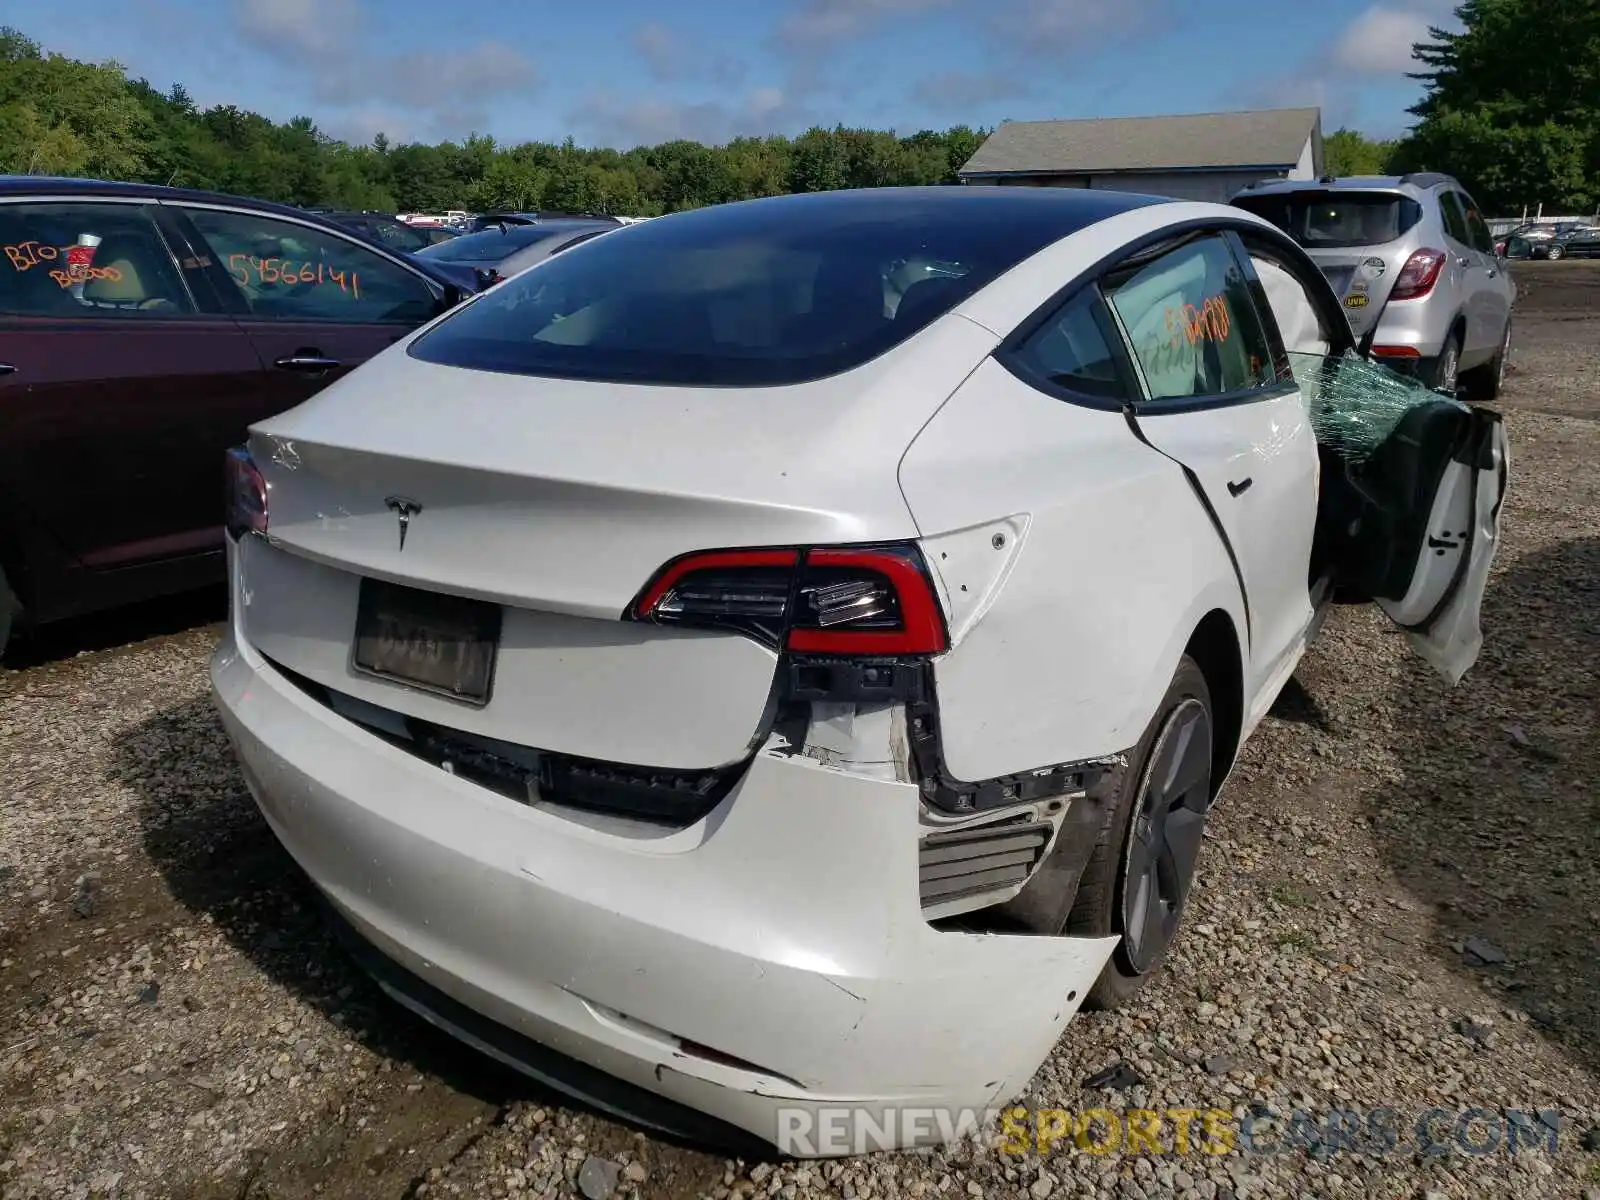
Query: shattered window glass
x,y
1355,404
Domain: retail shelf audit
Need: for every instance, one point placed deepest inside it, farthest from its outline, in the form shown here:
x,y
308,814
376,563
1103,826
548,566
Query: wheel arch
x,y
1214,646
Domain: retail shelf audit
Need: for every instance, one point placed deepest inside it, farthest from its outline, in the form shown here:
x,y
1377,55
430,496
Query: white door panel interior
x,y
1441,610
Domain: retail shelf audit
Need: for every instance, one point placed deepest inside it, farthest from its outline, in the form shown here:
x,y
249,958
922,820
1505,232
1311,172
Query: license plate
x,y
443,644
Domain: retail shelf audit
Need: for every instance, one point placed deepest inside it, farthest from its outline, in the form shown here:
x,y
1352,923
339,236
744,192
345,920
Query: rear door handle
x,y
307,363
1238,489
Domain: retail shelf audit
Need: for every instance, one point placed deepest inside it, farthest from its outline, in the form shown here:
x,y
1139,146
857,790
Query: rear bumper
x,y
783,932
1420,366
1405,325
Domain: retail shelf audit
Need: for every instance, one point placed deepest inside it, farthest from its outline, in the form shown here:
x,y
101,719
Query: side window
x,y
1070,352
1479,237
1455,221
87,260
291,272
1192,324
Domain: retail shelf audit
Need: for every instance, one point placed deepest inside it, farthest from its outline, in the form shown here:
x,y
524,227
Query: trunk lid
x,y
559,501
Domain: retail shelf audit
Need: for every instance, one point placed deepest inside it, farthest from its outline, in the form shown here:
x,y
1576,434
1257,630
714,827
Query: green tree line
x,y
59,116
1511,107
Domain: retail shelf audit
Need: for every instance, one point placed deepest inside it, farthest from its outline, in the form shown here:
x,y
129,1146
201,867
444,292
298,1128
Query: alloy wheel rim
x,y
1165,834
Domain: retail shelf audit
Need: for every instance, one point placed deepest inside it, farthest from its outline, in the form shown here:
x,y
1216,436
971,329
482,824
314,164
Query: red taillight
x,y
838,601
1417,277
1396,352
246,510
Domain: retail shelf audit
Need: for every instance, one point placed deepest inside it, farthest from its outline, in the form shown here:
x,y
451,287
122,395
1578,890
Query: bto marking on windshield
x,y
24,256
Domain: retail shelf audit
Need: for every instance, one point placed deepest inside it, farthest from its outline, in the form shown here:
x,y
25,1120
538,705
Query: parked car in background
x,y
499,251
142,329
1568,240
1580,243
492,219
390,231
1415,267
843,608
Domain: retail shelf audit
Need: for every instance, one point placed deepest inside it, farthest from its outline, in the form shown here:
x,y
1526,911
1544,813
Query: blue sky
x,y
627,72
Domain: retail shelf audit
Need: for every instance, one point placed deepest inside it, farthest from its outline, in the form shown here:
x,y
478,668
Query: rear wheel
x,y
1137,883
1555,252
1447,371
10,610
1482,384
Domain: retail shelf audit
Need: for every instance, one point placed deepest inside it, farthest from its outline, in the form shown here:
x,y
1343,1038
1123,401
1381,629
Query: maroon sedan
x,y
141,330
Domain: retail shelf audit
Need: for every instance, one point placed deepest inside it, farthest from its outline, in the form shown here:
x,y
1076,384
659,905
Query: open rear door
x,y
1410,516
1450,569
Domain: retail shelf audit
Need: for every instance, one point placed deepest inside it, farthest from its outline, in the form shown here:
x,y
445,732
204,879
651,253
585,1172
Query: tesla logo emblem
x,y
404,509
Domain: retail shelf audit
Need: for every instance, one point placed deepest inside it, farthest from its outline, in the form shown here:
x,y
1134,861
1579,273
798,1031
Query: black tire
x,y
1482,384
1104,900
1555,252
1449,361
10,610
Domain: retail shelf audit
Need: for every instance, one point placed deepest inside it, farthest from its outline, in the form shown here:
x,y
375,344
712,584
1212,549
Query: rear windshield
x,y
1327,220
765,292
488,245
395,234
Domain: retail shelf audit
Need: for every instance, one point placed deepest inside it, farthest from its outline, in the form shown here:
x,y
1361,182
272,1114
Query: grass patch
x,y
1297,939
1291,895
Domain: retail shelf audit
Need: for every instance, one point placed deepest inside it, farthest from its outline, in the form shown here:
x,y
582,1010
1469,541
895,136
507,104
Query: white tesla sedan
x,y
783,658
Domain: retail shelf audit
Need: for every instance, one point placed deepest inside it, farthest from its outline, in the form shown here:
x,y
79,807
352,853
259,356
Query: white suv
x,y
727,677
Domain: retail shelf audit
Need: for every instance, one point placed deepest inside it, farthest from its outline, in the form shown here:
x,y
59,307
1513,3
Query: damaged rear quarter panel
x,y
1070,654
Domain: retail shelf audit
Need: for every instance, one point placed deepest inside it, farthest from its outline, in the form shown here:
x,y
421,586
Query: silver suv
x,y
1414,263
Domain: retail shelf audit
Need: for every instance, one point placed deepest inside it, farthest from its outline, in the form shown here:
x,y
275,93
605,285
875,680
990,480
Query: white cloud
x,y
822,24
956,91
1379,41
610,118
430,78
1373,49
670,58
424,93
662,50
288,27
1052,27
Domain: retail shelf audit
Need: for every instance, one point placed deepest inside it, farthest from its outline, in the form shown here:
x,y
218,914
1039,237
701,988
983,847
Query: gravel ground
x,y
1399,906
